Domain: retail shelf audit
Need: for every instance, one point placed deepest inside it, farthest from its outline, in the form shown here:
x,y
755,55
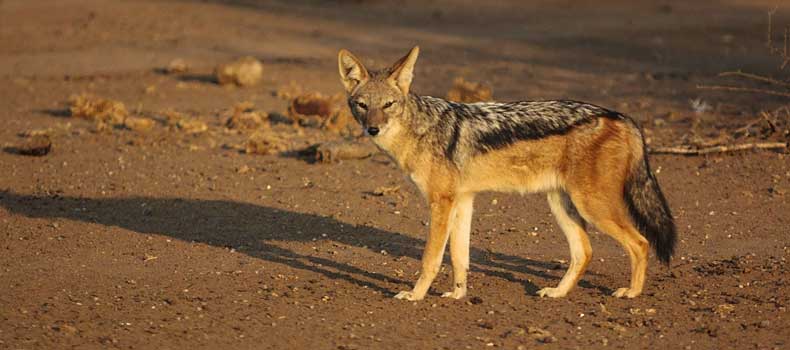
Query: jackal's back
x,y
467,130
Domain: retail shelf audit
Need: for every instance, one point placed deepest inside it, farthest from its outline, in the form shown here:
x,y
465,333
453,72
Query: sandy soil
x,y
169,240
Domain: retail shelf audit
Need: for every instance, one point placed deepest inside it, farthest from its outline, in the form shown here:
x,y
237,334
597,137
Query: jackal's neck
x,y
424,112
409,138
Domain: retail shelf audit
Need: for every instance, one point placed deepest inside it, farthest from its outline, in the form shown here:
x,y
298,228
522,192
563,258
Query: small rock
x,y
192,126
65,328
476,300
514,332
485,325
36,146
176,66
36,132
138,124
245,71
611,325
776,191
385,190
310,104
334,151
329,113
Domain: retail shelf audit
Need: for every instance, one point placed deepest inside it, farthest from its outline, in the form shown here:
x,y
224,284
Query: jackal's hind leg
x,y
573,226
609,214
637,248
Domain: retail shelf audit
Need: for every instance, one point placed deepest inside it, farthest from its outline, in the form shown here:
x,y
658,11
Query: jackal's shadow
x,y
257,230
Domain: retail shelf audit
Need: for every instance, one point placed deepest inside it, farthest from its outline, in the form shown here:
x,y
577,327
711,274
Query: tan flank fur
x,y
590,161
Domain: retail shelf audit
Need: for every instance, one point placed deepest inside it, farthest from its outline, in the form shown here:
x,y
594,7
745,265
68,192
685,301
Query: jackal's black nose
x,y
373,131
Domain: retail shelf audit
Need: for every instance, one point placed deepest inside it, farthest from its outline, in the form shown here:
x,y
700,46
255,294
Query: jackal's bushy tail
x,y
649,210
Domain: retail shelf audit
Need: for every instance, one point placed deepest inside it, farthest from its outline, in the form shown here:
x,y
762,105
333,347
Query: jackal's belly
x,y
529,166
514,179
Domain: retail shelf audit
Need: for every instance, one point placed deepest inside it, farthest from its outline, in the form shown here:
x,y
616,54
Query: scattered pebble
x,y
65,328
541,335
475,300
724,309
386,190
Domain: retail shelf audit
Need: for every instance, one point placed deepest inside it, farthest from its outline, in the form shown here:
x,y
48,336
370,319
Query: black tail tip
x,y
665,246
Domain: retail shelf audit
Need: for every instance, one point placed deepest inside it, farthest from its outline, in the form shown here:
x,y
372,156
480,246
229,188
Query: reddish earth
x,y
161,239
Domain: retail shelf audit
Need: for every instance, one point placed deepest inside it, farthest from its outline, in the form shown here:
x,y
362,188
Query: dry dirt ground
x,y
167,240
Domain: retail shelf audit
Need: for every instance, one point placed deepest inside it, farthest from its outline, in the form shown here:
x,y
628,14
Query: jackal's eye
x,y
388,104
361,105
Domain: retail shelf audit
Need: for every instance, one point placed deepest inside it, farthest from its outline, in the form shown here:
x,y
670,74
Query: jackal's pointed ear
x,y
402,71
352,72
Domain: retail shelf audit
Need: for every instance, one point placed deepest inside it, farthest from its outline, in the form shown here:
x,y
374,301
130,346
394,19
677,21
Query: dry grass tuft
x,y
329,113
97,109
469,92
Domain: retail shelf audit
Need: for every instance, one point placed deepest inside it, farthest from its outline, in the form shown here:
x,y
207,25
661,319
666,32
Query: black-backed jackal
x,y
590,161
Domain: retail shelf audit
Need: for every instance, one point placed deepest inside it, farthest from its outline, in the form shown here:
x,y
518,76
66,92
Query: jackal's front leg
x,y
441,206
460,225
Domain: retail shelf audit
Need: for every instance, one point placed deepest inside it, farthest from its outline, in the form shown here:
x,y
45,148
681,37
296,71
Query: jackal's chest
x,y
420,181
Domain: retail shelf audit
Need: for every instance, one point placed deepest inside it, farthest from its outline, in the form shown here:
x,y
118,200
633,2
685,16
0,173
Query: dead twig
x,y
771,119
744,89
686,150
746,129
784,52
770,40
723,138
757,77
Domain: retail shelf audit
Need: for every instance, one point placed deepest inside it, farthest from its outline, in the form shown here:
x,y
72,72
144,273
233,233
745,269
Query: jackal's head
x,y
376,97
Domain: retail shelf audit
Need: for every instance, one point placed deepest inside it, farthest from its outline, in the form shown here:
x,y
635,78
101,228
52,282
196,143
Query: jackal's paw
x,y
626,293
455,294
407,295
552,292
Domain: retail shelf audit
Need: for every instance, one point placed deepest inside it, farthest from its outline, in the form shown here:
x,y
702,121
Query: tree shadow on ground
x,y
255,230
